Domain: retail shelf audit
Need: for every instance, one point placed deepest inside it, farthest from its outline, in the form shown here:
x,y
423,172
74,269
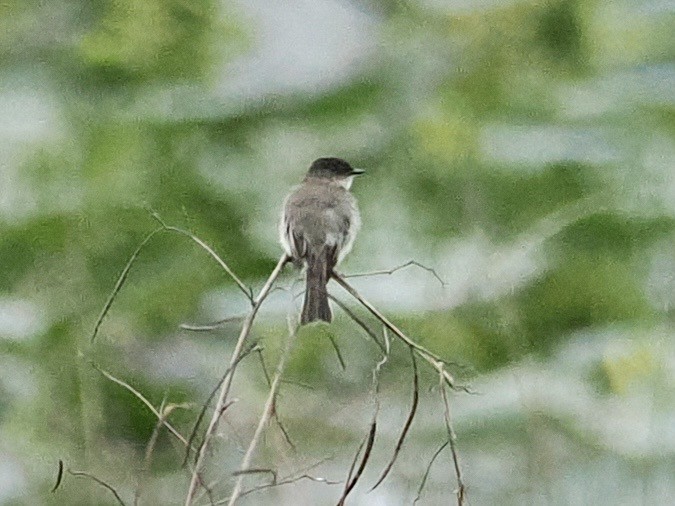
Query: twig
x,y
426,473
299,384
350,483
338,353
292,478
275,412
125,272
263,366
145,401
398,268
210,326
246,290
287,482
227,383
59,476
100,482
452,441
407,425
352,466
254,470
358,321
282,427
150,448
207,490
434,360
264,417
205,406
120,281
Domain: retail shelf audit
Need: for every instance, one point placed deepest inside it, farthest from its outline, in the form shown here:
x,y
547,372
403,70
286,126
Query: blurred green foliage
x,y
126,116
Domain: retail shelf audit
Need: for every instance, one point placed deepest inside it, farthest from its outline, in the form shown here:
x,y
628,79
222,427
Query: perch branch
x,y
227,383
434,360
205,406
264,418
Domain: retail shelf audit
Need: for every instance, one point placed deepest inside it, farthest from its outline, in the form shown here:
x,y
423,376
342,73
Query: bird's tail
x,y
319,269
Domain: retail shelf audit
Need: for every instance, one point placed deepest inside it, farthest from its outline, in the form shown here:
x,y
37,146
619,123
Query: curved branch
x,y
227,383
264,418
434,360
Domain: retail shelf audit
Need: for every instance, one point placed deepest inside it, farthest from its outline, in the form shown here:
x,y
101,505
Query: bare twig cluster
x,y
446,381
243,348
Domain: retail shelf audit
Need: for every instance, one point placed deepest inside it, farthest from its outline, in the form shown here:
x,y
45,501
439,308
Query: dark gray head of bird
x,y
334,168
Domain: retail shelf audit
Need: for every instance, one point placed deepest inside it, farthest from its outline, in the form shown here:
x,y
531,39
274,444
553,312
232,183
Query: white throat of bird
x,y
346,182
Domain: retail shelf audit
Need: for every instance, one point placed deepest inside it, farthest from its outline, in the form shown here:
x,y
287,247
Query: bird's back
x,y
320,212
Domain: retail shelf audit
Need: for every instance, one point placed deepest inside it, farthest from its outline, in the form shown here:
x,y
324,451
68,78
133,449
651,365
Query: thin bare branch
x,y
263,366
434,360
265,416
275,412
352,466
398,268
132,259
150,448
452,437
301,474
205,406
207,490
254,470
59,476
282,427
120,282
227,383
286,481
338,353
100,482
407,425
358,321
351,481
289,481
426,473
245,290
210,326
298,384
145,401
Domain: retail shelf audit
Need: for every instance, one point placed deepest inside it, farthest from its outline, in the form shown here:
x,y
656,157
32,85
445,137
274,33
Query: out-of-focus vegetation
x,y
523,149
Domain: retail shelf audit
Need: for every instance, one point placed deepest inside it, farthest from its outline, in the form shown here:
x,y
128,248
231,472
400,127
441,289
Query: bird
x,y
319,222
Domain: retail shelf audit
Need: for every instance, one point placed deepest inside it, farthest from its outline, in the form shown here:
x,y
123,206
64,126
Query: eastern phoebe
x,y
318,224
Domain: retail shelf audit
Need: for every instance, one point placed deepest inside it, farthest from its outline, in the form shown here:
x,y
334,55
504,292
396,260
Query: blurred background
x,y
525,150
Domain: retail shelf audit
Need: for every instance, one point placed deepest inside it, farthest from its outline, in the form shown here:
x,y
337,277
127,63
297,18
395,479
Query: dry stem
x,y
227,383
434,360
264,417
452,442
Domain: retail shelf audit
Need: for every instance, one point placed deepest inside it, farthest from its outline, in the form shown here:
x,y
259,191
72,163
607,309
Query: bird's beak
x,y
356,172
